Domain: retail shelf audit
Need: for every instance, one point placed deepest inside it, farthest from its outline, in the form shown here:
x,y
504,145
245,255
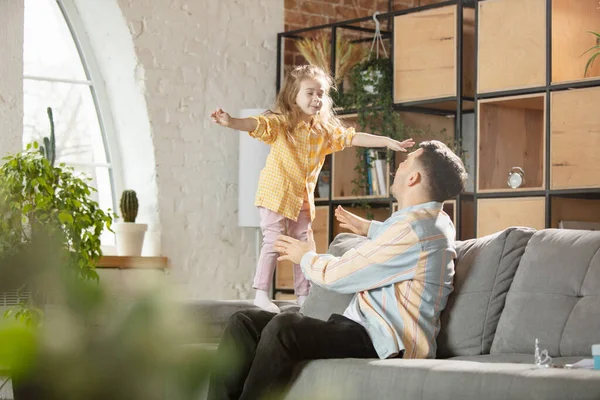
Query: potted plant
x,y
38,196
129,234
95,346
595,53
371,96
38,200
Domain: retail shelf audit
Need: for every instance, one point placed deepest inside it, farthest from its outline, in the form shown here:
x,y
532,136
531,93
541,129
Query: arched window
x,y
56,74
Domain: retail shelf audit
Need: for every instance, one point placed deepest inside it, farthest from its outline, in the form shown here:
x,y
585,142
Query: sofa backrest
x,y
321,303
555,296
484,270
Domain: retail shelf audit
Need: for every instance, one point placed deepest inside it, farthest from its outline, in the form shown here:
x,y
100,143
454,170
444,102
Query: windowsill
x,y
127,262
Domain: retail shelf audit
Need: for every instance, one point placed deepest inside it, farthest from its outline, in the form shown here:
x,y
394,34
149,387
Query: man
x,y
402,276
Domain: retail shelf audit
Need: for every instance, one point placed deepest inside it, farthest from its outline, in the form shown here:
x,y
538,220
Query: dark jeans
x,y
268,346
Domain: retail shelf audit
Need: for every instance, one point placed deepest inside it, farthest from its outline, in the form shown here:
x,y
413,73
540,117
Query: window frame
x,y
99,95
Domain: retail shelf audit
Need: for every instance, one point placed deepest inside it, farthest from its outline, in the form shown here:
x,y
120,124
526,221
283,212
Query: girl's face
x,y
310,96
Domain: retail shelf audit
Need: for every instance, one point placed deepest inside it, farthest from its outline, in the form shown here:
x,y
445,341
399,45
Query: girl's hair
x,y
325,121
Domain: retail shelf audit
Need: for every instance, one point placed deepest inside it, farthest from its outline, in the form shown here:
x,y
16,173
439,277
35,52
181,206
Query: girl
x,y
301,131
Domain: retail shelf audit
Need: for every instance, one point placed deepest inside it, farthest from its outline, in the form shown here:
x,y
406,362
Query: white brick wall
x,y
192,56
11,76
198,55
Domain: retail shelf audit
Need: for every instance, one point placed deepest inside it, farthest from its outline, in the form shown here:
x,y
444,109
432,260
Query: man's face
x,y
404,171
310,96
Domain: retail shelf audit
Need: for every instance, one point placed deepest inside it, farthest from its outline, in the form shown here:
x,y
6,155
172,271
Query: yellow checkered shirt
x,y
292,169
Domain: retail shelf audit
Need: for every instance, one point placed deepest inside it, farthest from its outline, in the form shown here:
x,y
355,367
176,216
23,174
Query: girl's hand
x,y
221,117
352,222
400,146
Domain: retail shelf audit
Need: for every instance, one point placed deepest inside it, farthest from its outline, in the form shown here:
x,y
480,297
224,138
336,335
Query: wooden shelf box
x,y
575,139
511,133
441,128
343,171
379,214
573,209
425,57
467,219
494,215
571,22
511,45
284,275
449,208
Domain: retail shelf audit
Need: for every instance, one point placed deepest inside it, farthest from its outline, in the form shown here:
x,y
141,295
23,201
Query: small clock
x,y
516,177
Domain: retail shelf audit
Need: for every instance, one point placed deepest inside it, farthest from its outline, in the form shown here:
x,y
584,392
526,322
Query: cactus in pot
x,y
129,205
48,150
129,234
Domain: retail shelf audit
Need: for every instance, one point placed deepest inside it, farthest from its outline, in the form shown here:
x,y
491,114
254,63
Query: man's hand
x,y
293,249
221,117
356,224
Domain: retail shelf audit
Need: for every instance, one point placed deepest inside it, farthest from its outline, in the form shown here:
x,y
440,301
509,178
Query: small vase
x,y
130,238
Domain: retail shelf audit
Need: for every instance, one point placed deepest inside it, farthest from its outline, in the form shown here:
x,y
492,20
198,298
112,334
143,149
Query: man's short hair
x,y
444,170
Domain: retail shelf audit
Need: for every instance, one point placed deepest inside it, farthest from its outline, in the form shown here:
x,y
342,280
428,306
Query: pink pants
x,y
273,225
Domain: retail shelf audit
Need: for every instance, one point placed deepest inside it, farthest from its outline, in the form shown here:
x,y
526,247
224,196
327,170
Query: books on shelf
x,y
376,173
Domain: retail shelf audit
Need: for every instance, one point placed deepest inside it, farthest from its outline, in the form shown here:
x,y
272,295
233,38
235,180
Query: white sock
x,y
301,300
263,301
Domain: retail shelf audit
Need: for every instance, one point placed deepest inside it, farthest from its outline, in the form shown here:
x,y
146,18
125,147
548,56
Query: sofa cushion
x,y
439,379
321,303
516,359
484,271
555,296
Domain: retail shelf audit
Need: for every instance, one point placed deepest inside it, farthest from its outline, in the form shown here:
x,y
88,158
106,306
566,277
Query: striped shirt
x,y
402,277
291,170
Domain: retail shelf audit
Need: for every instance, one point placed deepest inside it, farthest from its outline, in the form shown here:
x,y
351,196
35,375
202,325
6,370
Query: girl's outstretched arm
x,y
239,124
362,139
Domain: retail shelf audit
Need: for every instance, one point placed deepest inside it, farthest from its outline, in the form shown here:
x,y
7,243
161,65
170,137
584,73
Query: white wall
x,y
166,64
11,76
197,55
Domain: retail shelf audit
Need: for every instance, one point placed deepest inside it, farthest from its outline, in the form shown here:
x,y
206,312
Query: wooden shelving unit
x,y
496,214
425,54
512,45
575,139
571,21
284,275
343,172
573,209
517,65
536,111
511,132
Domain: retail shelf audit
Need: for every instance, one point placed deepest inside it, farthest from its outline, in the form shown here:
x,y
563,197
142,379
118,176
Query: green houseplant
x,y
49,243
37,198
595,53
371,96
91,345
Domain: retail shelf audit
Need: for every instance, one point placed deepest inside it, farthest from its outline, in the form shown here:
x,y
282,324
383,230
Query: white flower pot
x,y
130,238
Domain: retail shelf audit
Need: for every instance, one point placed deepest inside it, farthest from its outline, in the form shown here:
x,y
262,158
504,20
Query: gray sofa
x,y
510,288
